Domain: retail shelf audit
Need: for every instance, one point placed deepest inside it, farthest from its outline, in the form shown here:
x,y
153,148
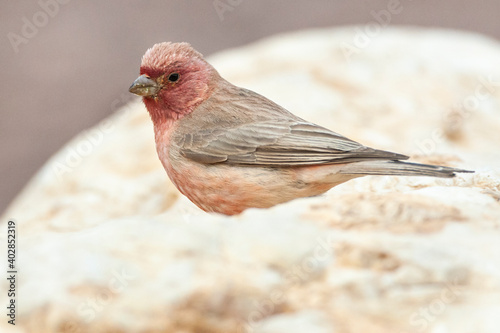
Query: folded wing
x,y
276,143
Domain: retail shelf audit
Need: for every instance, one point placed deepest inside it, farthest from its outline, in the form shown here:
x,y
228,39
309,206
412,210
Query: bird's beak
x,y
144,86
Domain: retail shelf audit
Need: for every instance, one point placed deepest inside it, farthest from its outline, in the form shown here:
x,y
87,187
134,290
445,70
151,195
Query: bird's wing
x,y
290,142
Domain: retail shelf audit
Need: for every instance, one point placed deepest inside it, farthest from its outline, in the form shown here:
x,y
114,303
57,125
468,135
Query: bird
x,y
227,148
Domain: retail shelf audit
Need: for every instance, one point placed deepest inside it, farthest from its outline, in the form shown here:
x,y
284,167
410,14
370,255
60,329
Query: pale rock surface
x,y
107,244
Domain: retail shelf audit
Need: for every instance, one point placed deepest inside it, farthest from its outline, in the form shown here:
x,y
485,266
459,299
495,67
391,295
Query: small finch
x,y
228,148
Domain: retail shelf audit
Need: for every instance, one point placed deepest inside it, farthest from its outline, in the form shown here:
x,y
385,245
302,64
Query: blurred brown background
x,y
66,64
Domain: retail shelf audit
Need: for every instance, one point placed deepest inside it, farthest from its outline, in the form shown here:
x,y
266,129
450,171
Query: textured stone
x,y
107,244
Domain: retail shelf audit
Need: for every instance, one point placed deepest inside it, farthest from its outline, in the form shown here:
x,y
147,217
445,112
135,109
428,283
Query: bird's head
x,y
174,80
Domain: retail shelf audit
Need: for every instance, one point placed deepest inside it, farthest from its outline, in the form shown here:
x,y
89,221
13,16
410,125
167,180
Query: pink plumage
x,y
228,148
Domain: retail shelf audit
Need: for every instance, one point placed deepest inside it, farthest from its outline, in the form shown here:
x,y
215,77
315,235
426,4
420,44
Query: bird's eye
x,y
174,77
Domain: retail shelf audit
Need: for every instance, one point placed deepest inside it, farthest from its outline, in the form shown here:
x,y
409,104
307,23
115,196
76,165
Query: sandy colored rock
x,y
107,244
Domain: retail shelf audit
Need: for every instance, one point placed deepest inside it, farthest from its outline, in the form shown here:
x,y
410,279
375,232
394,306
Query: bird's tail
x,y
398,168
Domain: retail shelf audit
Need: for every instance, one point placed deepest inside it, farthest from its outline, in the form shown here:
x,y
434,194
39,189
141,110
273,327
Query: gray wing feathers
x,y
263,134
399,168
273,143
